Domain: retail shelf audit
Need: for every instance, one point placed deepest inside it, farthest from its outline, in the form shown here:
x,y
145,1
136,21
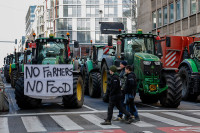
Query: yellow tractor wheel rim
x,y
79,91
104,81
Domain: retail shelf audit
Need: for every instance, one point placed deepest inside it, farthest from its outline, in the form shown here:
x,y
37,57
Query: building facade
x,y
171,17
81,18
30,17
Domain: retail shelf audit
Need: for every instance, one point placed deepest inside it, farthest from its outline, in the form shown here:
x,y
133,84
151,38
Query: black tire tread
x,y
96,84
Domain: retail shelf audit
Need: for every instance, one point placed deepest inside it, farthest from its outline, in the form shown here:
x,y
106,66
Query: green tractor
x,y
7,68
189,71
51,52
92,69
18,60
139,51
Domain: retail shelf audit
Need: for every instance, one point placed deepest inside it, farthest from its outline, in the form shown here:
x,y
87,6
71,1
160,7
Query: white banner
x,y
48,80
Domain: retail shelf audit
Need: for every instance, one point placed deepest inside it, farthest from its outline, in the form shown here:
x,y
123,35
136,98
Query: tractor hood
x,y
147,57
51,60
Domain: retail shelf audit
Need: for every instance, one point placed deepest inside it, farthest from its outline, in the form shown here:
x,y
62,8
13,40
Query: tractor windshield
x,y
197,51
51,49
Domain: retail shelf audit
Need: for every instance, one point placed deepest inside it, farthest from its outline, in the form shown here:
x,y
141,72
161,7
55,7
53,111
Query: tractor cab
x,y
195,50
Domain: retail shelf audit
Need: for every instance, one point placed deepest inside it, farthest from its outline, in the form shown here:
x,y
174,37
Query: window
x,y
110,1
165,21
159,18
154,19
171,12
78,11
192,6
185,8
126,11
100,38
92,11
92,1
178,10
64,24
83,24
110,11
83,36
69,11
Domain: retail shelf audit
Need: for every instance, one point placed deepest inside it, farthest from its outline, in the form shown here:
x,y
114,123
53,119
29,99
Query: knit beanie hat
x,y
124,63
113,68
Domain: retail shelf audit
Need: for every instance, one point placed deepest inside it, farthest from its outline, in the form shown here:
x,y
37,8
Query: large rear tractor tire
x,y
173,95
7,77
24,102
95,84
104,83
76,100
86,82
185,75
13,78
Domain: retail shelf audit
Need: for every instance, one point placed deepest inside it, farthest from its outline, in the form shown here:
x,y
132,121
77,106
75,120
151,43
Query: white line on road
x,y
96,120
90,108
163,119
66,123
147,132
143,124
33,124
149,105
90,112
192,119
4,125
197,113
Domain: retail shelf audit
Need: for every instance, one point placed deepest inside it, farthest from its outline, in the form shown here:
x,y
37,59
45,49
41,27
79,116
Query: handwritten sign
x,y
48,80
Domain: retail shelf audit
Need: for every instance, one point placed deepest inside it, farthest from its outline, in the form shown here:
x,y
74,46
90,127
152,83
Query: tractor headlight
x,y
157,63
147,62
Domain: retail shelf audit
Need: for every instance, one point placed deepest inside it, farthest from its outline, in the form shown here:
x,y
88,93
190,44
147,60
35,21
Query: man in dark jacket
x,y
115,97
122,74
130,92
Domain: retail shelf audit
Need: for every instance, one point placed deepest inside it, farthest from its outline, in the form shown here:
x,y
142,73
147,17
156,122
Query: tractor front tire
x,y
185,75
77,98
24,102
13,78
95,84
86,82
104,83
173,95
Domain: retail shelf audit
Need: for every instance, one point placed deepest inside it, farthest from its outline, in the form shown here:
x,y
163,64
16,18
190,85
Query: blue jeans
x,y
130,104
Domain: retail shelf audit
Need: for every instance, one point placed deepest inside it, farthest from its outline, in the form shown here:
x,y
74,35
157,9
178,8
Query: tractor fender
x,y
13,66
89,66
108,60
190,63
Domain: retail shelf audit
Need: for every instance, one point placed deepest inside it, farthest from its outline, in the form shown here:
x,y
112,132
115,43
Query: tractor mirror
x,y
76,44
159,50
168,42
87,50
109,40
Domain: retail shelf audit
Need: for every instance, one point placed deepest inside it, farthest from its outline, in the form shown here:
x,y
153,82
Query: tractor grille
x,y
151,69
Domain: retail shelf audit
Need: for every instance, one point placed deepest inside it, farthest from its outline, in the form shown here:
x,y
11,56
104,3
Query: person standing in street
x,y
122,76
130,92
114,93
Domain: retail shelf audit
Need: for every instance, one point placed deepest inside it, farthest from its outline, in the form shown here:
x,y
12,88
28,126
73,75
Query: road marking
x,y
89,108
4,125
197,113
143,124
33,124
65,122
163,119
149,105
192,119
96,121
147,132
91,112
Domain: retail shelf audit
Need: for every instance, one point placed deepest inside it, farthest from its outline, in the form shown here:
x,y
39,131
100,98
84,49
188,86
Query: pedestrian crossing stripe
x,y
34,124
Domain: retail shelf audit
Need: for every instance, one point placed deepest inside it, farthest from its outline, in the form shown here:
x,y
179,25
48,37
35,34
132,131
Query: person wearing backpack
x,y
130,92
114,93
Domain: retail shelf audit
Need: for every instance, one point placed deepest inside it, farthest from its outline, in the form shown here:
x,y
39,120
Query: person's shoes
x,y
106,122
117,119
129,120
137,118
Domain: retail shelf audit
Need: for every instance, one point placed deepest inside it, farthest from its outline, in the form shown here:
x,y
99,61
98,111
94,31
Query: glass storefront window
x,y
159,18
192,7
165,15
178,10
171,12
185,8
154,19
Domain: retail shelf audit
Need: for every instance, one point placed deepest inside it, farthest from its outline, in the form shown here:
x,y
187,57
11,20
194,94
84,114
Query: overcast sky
x,y
12,23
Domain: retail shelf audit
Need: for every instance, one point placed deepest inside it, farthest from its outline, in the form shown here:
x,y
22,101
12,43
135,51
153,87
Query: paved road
x,y
52,117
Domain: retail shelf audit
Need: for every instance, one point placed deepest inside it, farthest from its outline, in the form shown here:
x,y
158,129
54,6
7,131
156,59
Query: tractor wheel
x,y
13,78
147,98
185,75
86,82
172,96
104,82
95,84
7,77
24,102
77,98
